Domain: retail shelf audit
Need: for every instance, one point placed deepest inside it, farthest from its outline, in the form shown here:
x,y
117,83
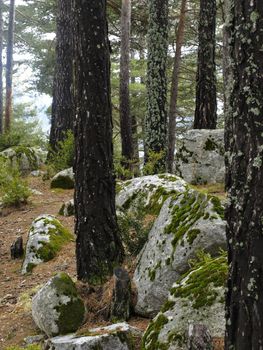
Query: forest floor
x,y
16,290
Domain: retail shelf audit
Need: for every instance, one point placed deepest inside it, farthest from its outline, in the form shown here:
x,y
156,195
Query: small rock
x,y
36,192
56,308
199,337
37,173
67,208
34,339
64,179
17,249
120,309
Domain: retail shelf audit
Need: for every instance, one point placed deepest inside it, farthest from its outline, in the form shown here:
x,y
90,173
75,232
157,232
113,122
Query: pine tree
x,y
9,65
156,118
244,146
1,66
125,117
62,106
98,244
206,104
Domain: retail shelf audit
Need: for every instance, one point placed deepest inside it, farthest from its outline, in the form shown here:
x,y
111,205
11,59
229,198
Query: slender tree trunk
x,y
156,118
62,106
1,66
206,105
98,244
9,66
125,117
174,88
244,180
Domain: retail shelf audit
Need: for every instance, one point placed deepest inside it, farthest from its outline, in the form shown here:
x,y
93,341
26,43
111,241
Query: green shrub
x,y
152,165
13,190
63,158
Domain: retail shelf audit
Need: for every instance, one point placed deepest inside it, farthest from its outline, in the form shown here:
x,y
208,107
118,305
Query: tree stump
x,y
199,338
17,249
120,309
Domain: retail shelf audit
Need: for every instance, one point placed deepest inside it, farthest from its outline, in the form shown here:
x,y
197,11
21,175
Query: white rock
x,y
114,337
200,157
187,223
40,244
64,179
57,308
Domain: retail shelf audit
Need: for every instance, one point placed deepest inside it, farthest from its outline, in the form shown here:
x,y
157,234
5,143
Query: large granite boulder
x,y
196,299
188,222
56,308
200,157
64,179
118,337
45,239
26,159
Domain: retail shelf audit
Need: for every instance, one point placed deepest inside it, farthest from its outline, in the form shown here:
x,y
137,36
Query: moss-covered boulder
x,y
200,157
45,239
188,222
67,208
198,298
56,308
119,336
64,179
26,159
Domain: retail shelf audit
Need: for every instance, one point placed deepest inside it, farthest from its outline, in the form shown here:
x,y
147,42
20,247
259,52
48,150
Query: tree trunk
x,y
156,118
125,117
244,179
62,106
206,105
174,88
98,244
1,66
9,65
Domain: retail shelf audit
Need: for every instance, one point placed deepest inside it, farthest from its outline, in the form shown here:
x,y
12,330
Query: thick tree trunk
x,y
98,244
244,142
206,105
156,118
1,66
125,117
174,88
9,66
62,106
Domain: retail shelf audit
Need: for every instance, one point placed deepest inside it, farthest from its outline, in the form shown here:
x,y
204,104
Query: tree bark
x,y
174,88
125,117
156,118
1,66
206,104
9,66
62,106
244,179
98,244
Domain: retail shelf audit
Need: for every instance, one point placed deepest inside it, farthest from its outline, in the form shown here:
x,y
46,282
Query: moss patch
x,y
150,338
217,206
200,284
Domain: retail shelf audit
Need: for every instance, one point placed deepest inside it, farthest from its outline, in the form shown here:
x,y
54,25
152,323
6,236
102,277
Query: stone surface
x,y
64,179
67,208
198,298
34,339
199,337
26,159
56,308
45,238
188,222
115,337
200,157
120,308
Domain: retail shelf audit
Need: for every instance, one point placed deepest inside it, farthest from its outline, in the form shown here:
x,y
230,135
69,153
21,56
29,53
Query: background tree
x,y
206,104
62,106
9,65
125,117
244,142
174,88
156,118
98,245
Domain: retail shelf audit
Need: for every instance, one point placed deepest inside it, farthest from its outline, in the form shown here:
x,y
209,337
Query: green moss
x,y
170,178
175,337
200,283
192,208
192,234
217,206
183,154
157,200
168,305
210,145
71,315
150,338
30,267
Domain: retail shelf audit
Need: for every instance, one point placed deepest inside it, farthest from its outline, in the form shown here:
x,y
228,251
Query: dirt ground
x,y
16,290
